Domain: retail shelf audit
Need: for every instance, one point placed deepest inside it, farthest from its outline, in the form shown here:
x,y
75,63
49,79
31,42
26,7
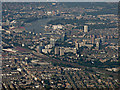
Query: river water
x,y
38,25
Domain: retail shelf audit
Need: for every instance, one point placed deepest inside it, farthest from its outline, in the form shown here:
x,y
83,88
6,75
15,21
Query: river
x,y
38,25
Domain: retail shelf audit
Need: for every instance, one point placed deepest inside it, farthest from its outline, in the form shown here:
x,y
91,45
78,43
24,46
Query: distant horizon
x,y
59,1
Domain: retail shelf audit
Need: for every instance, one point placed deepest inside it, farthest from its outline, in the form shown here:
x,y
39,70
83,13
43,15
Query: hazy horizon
x,y
59,1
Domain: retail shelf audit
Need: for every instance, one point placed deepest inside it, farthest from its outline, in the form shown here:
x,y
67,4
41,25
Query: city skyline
x,y
59,45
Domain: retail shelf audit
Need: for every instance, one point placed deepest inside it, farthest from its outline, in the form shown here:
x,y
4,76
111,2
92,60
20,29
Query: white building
x,y
57,27
46,50
85,28
52,42
69,49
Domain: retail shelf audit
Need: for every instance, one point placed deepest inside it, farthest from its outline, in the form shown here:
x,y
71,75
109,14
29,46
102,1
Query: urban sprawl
x,y
77,47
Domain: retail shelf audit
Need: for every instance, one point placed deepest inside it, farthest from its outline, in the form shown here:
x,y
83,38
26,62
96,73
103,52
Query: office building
x,y
52,42
56,50
37,48
85,28
61,51
97,45
63,37
93,39
76,45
